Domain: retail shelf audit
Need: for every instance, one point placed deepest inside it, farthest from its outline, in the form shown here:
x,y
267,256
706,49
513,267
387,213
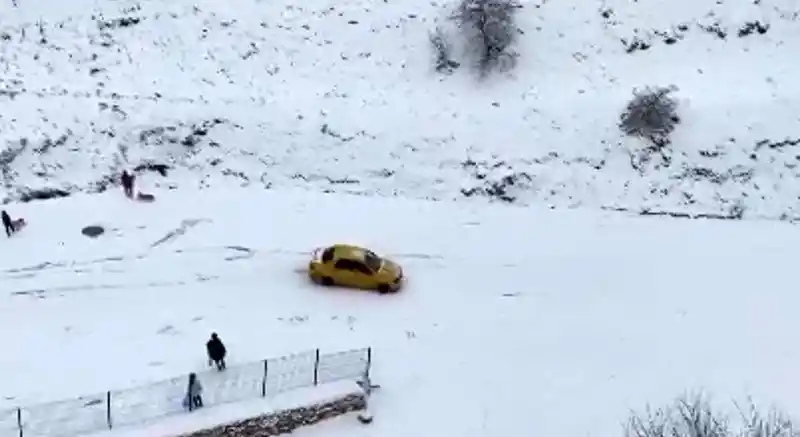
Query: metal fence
x,y
138,405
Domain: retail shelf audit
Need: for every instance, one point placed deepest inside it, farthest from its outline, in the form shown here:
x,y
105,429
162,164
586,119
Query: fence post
x,y
19,420
316,368
264,381
108,409
369,361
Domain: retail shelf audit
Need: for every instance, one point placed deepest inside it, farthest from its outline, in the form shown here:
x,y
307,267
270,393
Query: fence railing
x,y
139,405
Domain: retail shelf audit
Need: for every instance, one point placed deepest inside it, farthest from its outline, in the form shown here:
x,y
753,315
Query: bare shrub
x,y
689,416
772,424
442,50
651,114
693,416
489,30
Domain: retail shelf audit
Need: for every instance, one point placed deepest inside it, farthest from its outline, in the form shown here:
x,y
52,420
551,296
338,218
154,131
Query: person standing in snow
x,y
216,351
365,383
127,183
8,224
194,393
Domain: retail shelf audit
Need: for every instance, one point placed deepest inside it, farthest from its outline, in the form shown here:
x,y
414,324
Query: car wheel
x,y
384,288
326,281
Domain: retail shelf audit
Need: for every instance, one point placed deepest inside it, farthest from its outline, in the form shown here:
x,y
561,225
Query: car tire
x,y
326,281
384,288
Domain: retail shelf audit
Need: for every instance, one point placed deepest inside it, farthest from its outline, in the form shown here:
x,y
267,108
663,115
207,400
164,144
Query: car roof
x,y
349,251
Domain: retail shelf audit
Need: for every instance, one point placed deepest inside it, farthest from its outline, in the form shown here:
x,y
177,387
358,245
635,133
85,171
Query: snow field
x,y
581,315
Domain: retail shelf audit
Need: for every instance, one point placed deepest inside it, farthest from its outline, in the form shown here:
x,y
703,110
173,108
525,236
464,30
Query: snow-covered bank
x,y
343,97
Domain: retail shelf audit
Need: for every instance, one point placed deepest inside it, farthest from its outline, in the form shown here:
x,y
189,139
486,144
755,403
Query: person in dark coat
x,y
216,351
127,183
8,224
194,393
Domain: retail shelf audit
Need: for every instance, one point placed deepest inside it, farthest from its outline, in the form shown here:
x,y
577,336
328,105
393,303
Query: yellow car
x,y
356,267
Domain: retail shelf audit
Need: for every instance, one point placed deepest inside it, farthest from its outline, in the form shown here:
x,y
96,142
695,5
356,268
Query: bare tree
x,y
489,28
651,114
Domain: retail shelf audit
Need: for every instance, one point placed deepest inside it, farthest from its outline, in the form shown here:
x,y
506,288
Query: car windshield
x,y
374,262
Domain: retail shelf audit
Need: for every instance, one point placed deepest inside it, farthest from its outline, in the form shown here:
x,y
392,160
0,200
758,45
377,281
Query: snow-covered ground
x,y
342,95
514,319
208,418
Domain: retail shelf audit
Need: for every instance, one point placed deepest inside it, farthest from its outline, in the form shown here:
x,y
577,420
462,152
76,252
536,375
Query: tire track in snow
x,y
178,232
49,270
52,271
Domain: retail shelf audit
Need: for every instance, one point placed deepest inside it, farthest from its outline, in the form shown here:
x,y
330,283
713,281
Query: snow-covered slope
x,y
514,321
342,95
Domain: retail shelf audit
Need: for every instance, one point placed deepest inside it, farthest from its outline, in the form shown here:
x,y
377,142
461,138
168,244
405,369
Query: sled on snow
x,y
18,224
145,197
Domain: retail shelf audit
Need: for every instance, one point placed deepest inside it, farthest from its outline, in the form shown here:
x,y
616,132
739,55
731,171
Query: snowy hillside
x,y
557,331
343,96
514,320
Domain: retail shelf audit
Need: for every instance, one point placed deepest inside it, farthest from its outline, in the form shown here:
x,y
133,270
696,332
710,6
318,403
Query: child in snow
x,y
127,183
194,393
365,383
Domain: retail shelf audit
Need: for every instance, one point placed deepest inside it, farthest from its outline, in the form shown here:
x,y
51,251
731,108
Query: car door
x,y
345,273
364,277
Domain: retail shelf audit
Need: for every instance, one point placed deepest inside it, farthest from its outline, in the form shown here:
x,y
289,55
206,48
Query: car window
x,y
344,264
360,267
327,255
373,262
353,266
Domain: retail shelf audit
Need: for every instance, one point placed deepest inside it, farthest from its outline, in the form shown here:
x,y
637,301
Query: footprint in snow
x,y
294,319
169,329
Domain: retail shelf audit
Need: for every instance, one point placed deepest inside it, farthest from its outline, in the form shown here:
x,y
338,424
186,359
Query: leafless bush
x,y
689,416
442,50
489,29
693,416
651,114
772,424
